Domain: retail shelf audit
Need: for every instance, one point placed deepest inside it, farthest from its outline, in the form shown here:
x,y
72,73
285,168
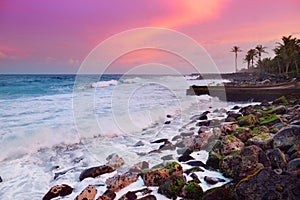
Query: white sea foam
x,y
102,84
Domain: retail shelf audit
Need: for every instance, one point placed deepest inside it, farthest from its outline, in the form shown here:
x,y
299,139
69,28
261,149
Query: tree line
x,y
286,60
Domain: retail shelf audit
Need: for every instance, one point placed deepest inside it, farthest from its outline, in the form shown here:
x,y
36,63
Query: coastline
x,y
247,145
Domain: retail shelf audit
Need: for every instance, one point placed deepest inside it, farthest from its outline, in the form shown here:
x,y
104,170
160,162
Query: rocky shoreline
x,y
256,146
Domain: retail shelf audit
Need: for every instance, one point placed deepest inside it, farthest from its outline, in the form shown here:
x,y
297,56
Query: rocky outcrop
x,y
118,182
88,193
288,139
58,190
107,195
266,184
157,176
96,171
172,187
114,161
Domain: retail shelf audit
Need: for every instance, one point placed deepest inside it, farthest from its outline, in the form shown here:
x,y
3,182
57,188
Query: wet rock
x,y
1,179
187,134
230,119
234,115
203,123
176,137
96,171
236,107
243,134
279,110
262,140
266,184
139,167
228,144
196,163
88,193
132,195
169,116
277,158
280,100
229,128
167,146
294,166
288,139
295,155
270,120
225,192
107,195
213,160
114,161
249,160
213,180
202,116
139,144
195,178
158,176
172,187
193,169
249,120
185,158
58,190
167,157
149,197
160,141
128,196
192,191
167,122
247,110
265,103
118,182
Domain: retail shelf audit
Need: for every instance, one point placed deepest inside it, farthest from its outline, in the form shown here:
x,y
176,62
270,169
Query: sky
x,y
56,36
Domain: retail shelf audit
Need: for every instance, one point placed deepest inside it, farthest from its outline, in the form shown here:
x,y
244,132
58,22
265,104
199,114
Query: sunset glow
x,y
56,36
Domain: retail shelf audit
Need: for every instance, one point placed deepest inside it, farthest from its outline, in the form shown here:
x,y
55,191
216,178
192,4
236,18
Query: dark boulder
x,y
266,184
192,191
107,195
96,171
213,180
294,166
88,193
277,159
185,158
158,175
225,192
172,187
118,182
58,190
288,139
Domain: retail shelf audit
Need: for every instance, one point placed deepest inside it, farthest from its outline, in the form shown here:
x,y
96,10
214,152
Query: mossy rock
x,y
213,160
172,187
249,120
192,191
270,120
158,175
280,101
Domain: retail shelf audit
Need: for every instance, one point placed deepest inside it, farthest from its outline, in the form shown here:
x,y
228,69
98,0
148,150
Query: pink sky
x,y
54,36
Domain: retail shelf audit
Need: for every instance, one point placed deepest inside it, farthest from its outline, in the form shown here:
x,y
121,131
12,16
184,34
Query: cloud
x,y
3,55
73,62
189,12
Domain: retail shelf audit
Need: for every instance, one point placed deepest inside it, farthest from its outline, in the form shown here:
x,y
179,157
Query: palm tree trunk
x,y
235,61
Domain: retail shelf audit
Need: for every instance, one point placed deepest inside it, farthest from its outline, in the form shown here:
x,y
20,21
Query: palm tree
x,y
288,52
248,60
251,55
235,50
260,49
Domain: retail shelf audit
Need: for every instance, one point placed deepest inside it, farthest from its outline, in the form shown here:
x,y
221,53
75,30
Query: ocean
x,y
54,126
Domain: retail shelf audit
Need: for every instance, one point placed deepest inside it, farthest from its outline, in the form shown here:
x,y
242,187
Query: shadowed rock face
x,y
269,185
288,139
58,190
